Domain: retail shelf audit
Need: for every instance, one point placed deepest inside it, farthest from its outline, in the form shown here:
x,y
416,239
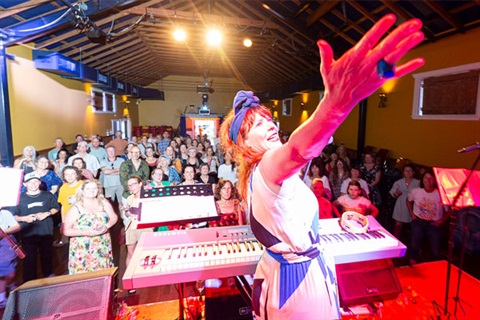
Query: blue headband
x,y
242,101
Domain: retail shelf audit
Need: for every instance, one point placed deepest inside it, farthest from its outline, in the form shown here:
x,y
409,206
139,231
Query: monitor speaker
x,y
73,297
367,281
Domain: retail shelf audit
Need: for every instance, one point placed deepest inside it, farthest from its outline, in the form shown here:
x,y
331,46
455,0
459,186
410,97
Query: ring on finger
x,y
385,70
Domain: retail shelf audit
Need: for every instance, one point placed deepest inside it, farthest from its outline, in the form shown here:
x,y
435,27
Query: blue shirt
x,y
163,144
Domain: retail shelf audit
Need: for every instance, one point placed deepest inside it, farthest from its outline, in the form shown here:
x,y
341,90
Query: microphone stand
x,y
450,241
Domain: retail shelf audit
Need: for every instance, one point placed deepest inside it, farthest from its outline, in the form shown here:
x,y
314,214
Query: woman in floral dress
x,y
87,223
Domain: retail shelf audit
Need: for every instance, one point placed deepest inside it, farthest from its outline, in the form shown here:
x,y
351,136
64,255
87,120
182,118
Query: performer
x,y
294,279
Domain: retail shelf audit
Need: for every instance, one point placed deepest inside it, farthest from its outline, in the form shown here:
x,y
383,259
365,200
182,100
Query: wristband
x,y
354,222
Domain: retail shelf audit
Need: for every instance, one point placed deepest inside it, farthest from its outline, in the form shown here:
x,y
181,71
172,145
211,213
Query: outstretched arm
x,y
347,81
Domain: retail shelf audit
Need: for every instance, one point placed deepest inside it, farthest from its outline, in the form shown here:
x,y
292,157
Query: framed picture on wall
x,y
287,107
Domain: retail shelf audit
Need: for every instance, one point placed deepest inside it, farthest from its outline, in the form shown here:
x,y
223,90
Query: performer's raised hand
x,y
354,75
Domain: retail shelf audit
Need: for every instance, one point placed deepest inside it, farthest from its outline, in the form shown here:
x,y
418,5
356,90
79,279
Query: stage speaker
x,y
226,303
367,281
230,307
73,297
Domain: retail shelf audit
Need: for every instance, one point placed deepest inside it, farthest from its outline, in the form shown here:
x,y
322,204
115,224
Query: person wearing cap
x,y
34,214
295,277
170,174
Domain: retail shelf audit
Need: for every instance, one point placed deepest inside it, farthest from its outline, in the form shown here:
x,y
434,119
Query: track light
x,y
247,42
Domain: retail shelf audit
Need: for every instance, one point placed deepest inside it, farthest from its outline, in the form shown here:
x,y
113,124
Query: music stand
x,y
181,204
170,205
459,188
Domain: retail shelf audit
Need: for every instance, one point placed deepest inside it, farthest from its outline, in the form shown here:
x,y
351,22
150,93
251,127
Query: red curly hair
x,y
244,156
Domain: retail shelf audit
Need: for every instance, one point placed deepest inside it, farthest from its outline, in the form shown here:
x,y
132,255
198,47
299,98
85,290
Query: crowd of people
x,y
411,201
94,185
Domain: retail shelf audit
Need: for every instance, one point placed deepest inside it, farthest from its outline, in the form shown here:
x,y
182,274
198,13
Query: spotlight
x,y
214,37
179,35
247,42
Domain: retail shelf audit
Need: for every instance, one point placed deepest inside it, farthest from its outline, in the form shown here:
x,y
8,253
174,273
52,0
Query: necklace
x,y
407,183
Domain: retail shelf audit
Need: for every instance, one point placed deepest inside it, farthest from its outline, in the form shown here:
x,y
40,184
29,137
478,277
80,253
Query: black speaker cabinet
x,y
367,281
230,307
73,297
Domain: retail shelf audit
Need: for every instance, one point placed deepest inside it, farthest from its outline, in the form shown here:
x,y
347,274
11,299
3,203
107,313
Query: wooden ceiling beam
x,y
350,23
338,32
283,37
110,51
93,48
320,12
104,21
119,56
173,15
362,10
114,65
444,14
19,8
406,16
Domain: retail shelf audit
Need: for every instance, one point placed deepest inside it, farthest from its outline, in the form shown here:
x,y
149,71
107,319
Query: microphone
x,y
472,147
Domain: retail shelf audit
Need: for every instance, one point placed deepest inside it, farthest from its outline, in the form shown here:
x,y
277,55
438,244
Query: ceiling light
x,y
179,35
214,37
247,42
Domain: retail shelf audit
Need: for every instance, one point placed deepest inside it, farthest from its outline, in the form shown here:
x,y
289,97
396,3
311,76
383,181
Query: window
x,y
103,102
287,107
448,94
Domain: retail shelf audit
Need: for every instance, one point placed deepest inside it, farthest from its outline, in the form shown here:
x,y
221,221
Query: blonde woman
x,y
87,224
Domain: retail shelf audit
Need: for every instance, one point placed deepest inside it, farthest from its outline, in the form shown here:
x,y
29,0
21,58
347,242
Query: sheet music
x,y
177,208
177,204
